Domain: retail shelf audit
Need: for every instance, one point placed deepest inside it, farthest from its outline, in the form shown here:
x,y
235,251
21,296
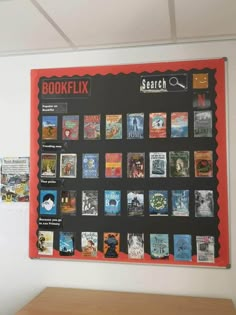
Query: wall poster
x,y
129,164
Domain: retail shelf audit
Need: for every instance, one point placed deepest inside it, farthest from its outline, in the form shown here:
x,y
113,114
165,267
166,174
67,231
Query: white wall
x,y
21,278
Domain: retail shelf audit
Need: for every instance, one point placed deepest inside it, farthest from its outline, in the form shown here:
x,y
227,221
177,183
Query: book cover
x,y
49,127
89,244
113,165
180,203
68,202
135,126
135,165
48,202
135,203
90,165
182,247
159,246
179,163
89,202
112,202
70,127
66,243
157,125
204,203
135,245
157,164
45,243
111,244
68,165
203,123
92,127
203,163
179,125
158,202
113,127
48,165
205,249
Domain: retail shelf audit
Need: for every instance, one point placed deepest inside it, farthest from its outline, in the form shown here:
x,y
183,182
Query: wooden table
x,y
62,301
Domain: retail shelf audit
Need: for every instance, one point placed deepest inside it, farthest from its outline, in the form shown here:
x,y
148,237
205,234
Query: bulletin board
x,y
129,164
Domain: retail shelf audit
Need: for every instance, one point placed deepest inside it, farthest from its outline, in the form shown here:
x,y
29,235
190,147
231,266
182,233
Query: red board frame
x,y
221,138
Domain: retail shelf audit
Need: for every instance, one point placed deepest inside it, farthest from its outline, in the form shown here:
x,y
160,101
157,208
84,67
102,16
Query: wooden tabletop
x,y
63,301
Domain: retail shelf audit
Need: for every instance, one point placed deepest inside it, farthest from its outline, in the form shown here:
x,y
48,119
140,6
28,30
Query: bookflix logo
x,y
74,87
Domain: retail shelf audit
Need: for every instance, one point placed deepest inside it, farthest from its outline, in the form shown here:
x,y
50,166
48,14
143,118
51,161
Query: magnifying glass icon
x,y
174,81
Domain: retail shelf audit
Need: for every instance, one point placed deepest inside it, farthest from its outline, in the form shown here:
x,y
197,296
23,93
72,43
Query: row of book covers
x,y
90,203
159,245
179,164
158,123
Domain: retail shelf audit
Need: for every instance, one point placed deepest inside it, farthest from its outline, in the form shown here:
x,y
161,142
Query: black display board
x,y
129,164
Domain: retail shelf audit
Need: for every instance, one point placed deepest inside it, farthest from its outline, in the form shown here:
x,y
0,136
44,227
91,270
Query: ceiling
x,y
42,26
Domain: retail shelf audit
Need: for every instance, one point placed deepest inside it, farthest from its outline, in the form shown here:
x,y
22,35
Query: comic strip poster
x,y
45,243
180,203
89,202
203,163
112,202
89,244
113,165
157,164
159,246
135,126
49,127
157,125
90,165
113,127
135,245
179,124
68,200
92,127
15,179
136,165
111,246
135,203
205,249
70,127
158,202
